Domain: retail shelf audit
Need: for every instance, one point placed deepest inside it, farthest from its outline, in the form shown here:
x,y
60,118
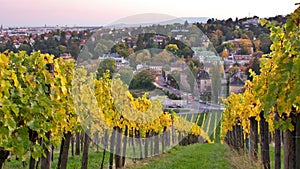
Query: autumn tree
x,y
173,48
225,53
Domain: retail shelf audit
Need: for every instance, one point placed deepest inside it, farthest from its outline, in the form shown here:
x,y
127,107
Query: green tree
x,y
108,64
26,48
74,50
122,49
254,65
174,79
186,24
140,43
126,75
265,43
162,57
216,73
194,65
142,80
62,49
100,49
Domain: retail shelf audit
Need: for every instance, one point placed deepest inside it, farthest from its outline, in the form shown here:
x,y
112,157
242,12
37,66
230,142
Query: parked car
x,y
201,101
171,106
179,106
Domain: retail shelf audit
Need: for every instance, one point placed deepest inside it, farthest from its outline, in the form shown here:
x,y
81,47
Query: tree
x,y
225,53
122,49
186,52
173,48
216,73
265,43
278,84
74,50
100,49
186,24
142,80
108,64
229,46
26,48
254,64
62,49
39,78
245,36
162,57
228,35
143,56
126,75
196,64
191,80
245,46
140,43
174,79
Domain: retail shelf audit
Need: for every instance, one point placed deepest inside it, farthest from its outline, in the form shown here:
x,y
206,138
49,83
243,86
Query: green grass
x,y
200,156
211,124
95,159
189,117
272,157
196,156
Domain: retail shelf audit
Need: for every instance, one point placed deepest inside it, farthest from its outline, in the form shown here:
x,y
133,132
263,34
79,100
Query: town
x,y
194,46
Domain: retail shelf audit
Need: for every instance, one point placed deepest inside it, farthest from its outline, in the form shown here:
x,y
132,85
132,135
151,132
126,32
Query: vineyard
x,y
268,110
49,105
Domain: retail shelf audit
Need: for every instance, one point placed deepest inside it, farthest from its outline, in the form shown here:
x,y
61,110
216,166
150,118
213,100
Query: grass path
x,y
196,156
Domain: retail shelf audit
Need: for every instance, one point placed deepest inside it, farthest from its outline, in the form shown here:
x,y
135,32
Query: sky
x,y
102,12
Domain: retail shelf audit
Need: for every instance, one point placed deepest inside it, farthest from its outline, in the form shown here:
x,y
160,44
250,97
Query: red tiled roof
x,y
242,57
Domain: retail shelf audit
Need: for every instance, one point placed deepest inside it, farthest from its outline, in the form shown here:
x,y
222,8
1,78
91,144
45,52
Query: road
x,y
193,106
196,108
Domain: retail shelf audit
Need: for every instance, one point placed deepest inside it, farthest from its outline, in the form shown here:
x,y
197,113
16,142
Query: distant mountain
x,y
150,19
195,19
181,20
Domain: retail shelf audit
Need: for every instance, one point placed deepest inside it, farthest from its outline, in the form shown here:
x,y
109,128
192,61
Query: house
x,y
16,43
68,35
229,60
242,59
155,68
178,37
236,85
251,21
140,66
46,36
203,82
57,37
179,30
66,56
158,39
120,61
